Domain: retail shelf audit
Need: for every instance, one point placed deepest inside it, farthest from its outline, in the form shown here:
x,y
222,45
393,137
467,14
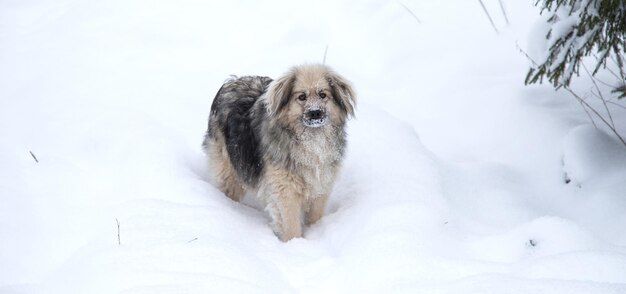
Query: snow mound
x,y
535,239
590,154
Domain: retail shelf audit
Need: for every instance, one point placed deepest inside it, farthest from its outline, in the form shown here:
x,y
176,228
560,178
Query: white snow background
x,y
454,180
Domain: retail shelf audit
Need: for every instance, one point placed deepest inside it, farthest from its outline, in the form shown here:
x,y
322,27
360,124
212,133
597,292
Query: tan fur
x,y
305,190
222,171
284,196
316,209
298,172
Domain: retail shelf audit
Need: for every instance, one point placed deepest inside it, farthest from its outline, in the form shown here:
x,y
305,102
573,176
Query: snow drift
x,y
454,180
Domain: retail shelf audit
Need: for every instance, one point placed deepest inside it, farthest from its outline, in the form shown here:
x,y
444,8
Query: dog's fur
x,y
282,140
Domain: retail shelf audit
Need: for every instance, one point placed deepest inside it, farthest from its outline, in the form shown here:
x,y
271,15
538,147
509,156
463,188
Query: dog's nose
x,y
316,114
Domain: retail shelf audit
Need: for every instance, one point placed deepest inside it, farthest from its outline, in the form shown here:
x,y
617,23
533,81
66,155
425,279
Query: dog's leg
x,y
231,185
284,195
316,209
287,217
223,172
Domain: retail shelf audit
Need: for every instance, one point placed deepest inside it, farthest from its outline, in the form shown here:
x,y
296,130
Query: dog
x,y
282,140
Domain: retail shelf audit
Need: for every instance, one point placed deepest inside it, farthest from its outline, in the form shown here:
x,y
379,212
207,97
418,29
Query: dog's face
x,y
311,96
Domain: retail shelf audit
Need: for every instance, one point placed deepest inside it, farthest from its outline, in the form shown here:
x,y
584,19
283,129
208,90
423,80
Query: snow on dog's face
x,y
311,96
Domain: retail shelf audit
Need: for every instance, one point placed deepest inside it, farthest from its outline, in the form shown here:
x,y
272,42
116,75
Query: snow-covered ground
x,y
454,181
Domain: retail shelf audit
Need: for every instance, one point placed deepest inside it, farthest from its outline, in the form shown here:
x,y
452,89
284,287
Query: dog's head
x,y
312,95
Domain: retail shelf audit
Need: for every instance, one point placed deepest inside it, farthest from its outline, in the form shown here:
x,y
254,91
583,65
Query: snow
x,y
454,178
589,154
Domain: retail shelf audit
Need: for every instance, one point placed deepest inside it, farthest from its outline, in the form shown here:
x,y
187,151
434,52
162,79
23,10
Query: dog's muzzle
x,y
314,118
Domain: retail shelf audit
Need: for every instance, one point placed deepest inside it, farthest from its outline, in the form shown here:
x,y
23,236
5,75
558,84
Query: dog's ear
x,y
279,92
342,91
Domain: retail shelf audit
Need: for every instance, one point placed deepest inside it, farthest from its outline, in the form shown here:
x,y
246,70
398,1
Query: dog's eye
x,y
302,97
322,95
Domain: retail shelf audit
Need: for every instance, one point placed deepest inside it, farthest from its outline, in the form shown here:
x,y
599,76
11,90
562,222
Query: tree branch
x,y
488,16
582,101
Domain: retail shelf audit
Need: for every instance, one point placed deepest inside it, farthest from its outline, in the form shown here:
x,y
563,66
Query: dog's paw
x,y
287,237
289,234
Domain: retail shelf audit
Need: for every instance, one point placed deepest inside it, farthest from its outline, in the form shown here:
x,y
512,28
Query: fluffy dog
x,y
282,140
